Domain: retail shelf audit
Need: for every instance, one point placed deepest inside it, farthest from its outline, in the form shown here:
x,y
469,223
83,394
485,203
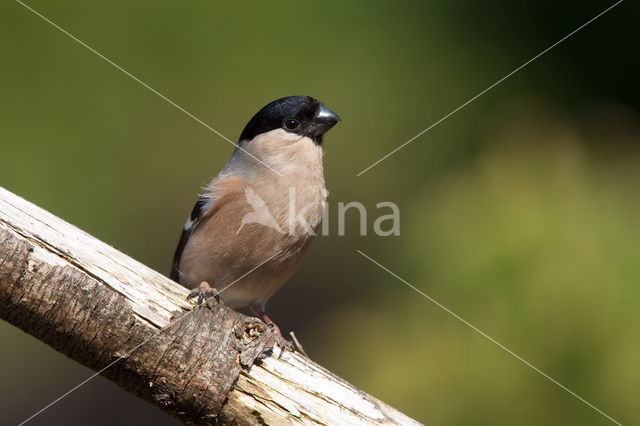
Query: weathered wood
x,y
97,305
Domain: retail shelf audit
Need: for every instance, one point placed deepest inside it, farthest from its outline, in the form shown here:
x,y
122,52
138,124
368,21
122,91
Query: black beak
x,y
326,115
324,120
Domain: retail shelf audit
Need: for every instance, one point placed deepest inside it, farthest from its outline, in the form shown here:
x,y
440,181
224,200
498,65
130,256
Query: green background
x,y
520,213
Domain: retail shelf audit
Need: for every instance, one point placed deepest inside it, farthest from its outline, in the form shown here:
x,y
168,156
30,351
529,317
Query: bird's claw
x,y
203,292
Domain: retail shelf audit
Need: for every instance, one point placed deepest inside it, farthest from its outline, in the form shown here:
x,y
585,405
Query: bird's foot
x,y
203,292
280,339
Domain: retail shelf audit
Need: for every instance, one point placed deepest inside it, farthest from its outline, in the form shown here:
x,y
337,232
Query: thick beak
x,y
325,119
325,114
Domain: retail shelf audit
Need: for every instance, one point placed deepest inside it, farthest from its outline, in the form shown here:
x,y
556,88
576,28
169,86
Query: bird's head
x,y
303,116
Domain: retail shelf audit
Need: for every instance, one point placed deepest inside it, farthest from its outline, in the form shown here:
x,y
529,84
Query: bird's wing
x,y
197,214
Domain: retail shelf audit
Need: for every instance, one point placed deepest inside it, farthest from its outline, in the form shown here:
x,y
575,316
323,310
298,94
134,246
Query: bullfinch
x,y
252,225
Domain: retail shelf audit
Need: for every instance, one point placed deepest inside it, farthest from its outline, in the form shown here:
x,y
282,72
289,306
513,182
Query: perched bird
x,y
254,222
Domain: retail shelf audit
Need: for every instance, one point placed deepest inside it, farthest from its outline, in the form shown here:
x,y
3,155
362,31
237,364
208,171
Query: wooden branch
x,y
205,365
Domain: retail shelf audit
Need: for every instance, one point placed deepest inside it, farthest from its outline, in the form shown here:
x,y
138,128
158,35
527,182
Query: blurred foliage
x,y
535,243
520,213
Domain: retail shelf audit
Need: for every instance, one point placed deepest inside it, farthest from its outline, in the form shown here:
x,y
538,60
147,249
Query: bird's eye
x,y
291,124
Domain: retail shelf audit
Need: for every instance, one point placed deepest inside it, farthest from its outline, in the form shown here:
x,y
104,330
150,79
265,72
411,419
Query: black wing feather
x,y
196,215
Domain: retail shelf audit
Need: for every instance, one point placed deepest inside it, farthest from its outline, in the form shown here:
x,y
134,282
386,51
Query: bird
x,y
253,223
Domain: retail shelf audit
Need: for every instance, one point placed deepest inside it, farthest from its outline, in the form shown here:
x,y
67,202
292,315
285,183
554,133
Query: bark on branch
x,y
207,365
